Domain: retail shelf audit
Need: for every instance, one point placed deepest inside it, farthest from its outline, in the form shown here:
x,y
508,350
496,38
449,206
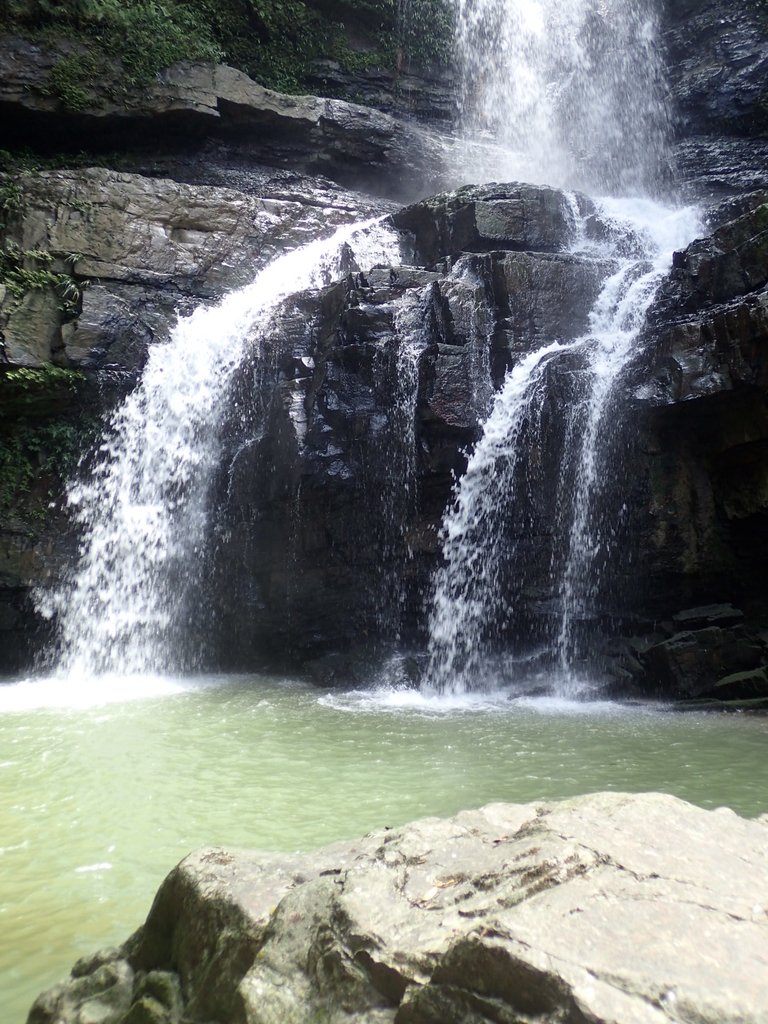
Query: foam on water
x,y
52,693
404,700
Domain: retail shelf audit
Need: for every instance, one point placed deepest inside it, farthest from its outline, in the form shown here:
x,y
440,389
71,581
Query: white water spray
x,y
567,93
143,508
472,609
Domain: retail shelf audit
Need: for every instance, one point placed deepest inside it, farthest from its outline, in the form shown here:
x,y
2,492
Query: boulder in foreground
x,y
614,908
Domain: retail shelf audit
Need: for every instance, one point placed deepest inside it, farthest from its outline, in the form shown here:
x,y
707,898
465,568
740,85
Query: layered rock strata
x,y
192,101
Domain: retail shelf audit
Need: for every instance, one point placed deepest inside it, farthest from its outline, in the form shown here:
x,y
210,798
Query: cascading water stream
x,y
570,94
143,508
567,93
467,588
615,323
474,601
392,487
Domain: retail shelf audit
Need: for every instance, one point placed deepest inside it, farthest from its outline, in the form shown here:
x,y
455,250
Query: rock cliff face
x,y
142,250
698,463
717,59
331,493
539,912
381,387
189,103
330,480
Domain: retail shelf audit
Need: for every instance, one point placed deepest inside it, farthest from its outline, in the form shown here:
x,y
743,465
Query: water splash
x,y
477,590
567,94
143,508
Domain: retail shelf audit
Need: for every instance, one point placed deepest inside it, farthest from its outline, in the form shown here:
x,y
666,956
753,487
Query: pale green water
x,y
97,803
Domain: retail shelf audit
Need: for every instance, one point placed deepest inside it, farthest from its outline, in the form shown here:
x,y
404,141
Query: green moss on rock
x,y
274,41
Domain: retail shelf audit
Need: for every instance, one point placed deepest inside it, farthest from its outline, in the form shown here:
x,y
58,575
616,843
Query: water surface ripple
x,y
100,795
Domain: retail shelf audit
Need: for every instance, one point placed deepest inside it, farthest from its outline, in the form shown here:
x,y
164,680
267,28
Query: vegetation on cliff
x,y
42,434
274,41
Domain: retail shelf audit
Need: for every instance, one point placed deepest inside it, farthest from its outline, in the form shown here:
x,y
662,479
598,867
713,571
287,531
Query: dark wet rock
x,y
426,93
758,706
339,465
717,54
546,912
743,686
191,101
478,218
709,615
310,534
729,263
718,57
545,298
707,168
696,437
696,663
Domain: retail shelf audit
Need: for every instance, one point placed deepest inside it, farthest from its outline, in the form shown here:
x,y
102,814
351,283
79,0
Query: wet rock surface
x,y
717,54
335,482
698,458
190,102
539,912
477,218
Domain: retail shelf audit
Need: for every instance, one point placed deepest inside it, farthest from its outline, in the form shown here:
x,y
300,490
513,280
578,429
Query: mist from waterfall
x,y
143,506
569,93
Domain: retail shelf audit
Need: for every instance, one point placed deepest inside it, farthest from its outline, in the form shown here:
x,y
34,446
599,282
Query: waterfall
x,y
143,506
468,588
474,600
570,94
399,460
615,322
567,93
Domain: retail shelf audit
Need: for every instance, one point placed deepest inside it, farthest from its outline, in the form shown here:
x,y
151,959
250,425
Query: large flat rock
x,y
614,908
142,248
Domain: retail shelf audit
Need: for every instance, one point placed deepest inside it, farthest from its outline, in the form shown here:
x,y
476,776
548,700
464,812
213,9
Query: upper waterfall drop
x,y
569,93
143,507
